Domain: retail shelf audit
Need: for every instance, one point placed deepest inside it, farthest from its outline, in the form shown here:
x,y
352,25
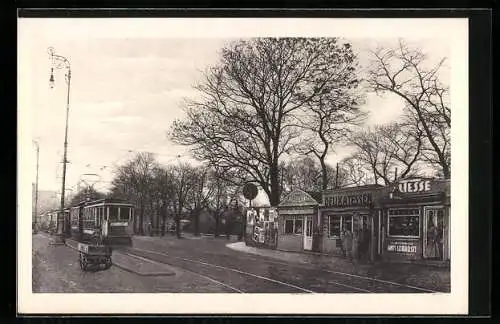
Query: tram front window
x,y
124,214
112,213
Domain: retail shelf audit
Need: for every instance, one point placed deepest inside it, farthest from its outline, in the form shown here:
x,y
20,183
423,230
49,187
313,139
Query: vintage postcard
x,y
243,165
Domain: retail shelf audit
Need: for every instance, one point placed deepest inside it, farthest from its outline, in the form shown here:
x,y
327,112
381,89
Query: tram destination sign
x,y
348,200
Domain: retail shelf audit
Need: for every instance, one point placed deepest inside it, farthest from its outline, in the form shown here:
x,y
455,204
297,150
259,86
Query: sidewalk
x,y
412,274
316,259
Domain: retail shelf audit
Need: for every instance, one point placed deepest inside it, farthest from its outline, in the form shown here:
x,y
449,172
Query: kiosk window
x,y
288,226
404,222
293,225
335,223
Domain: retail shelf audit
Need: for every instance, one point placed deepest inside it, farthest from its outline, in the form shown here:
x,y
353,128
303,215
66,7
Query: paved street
x,y
207,265
289,272
56,269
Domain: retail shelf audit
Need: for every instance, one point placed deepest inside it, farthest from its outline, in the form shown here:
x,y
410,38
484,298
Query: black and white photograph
x,y
242,165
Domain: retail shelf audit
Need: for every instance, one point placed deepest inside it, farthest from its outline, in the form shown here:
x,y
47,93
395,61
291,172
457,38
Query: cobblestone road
x,y
310,272
56,269
207,265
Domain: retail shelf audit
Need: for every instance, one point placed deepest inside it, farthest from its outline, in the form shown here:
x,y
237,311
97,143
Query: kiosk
x,y
349,222
415,217
298,222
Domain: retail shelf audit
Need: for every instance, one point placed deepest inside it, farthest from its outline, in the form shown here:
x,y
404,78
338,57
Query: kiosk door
x,y
308,230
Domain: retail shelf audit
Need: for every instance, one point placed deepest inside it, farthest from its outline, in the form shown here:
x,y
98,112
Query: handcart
x,y
94,256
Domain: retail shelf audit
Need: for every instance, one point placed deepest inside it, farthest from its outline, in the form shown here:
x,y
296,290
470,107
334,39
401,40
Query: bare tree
x,y
406,72
133,180
224,194
404,144
85,193
385,148
182,176
355,171
329,117
245,116
163,195
306,174
199,195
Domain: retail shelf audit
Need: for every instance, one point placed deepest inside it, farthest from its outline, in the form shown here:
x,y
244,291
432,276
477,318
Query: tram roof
x,y
108,201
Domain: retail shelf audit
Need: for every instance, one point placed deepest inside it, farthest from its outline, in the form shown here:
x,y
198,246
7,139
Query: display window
x,y
338,222
404,222
434,233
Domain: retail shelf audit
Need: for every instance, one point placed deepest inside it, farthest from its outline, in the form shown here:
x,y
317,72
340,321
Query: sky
x,y
127,87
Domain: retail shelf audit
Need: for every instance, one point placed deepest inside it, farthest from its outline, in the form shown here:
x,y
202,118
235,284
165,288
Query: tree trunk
x,y
178,225
274,199
217,224
163,215
136,225
324,174
446,171
141,220
196,223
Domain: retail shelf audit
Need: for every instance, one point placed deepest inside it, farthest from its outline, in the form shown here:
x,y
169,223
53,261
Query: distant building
x,y
47,200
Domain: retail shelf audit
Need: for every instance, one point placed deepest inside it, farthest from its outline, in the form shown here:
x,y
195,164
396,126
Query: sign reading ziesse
x,y
414,185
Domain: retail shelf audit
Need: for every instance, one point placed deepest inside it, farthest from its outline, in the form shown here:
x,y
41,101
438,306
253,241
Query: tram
x,y
44,221
51,217
103,221
47,221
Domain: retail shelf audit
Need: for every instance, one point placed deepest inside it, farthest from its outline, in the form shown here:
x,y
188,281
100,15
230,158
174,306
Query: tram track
x,y
218,271
220,283
408,288
277,285
348,281
228,273
382,281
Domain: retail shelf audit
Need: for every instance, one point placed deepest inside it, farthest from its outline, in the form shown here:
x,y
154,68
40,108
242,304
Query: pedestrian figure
x,y
364,242
348,244
440,241
355,245
433,242
342,243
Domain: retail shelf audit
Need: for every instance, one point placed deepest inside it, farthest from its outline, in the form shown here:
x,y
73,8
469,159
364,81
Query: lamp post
x,y
60,62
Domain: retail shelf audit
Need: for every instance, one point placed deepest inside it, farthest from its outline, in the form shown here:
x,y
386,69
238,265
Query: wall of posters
x,y
262,227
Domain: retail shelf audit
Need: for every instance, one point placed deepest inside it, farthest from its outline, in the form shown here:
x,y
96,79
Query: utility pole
x,y
61,62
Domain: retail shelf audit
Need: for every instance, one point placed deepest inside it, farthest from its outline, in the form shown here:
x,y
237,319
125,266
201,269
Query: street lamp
x,y
60,62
